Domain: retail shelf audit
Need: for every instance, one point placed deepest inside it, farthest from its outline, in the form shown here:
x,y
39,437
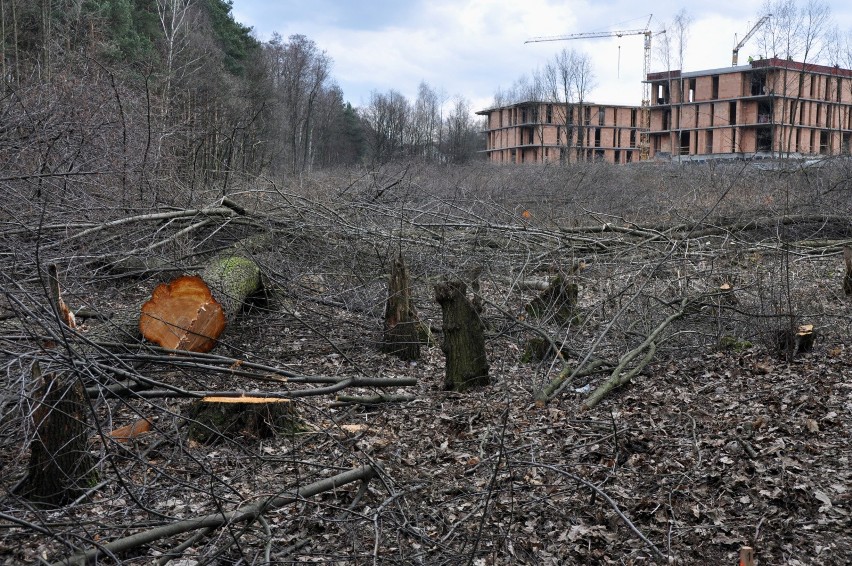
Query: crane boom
x,y
750,33
587,35
645,112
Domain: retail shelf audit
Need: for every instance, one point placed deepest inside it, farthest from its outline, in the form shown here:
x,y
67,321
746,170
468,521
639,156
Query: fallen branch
x,y
618,377
344,400
175,393
565,376
157,216
215,520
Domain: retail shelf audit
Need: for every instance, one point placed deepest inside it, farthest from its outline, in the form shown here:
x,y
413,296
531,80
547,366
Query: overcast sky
x,y
473,48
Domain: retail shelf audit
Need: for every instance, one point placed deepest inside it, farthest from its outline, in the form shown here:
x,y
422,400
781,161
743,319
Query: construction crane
x,y
750,33
645,114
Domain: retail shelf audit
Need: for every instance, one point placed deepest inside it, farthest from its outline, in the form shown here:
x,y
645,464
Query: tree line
x,y
180,86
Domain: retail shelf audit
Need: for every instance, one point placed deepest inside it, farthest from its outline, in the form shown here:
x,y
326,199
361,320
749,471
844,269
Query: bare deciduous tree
x,y
569,78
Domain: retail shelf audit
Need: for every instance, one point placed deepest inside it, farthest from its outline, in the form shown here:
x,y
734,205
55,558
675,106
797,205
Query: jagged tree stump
x,y
402,327
558,300
60,466
464,338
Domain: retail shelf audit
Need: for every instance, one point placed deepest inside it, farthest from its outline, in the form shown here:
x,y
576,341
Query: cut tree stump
x,y
191,312
402,327
60,466
464,338
240,418
792,342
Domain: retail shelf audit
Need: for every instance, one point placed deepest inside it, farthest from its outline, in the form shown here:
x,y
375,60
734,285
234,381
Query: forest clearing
x,y
712,293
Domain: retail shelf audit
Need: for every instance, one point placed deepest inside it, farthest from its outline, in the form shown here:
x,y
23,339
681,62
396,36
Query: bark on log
x,y
60,466
464,338
402,332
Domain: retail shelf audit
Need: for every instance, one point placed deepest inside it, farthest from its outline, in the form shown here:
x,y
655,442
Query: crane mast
x,y
750,33
645,112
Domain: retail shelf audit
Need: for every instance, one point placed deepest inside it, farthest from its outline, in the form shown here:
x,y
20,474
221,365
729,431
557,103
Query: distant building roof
x,y
771,63
530,102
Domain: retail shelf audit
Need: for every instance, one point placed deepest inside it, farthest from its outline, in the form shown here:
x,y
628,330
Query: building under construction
x,y
767,108
541,132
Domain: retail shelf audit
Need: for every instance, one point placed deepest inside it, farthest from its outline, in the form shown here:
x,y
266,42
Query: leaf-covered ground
x,y
720,442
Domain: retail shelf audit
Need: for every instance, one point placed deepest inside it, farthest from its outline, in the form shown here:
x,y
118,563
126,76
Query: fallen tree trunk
x,y
191,312
245,513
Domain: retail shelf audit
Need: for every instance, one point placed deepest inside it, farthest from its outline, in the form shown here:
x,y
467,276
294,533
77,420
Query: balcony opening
x,y
823,143
662,93
708,141
758,84
732,113
764,112
602,117
691,92
714,93
764,139
684,143
549,113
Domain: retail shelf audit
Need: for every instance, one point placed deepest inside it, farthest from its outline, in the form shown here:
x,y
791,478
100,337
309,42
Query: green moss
x,y
733,343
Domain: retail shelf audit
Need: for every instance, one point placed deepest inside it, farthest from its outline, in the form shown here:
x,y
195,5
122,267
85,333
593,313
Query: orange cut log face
x,y
182,315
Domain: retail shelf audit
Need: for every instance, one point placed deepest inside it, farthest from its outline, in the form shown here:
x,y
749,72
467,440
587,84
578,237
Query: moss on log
x,y
232,280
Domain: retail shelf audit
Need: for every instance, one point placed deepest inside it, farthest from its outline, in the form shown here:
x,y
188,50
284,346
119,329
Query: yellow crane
x,y
645,113
750,33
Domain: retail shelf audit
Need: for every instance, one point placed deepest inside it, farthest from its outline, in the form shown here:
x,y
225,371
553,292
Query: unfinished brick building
x,y
768,108
540,132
